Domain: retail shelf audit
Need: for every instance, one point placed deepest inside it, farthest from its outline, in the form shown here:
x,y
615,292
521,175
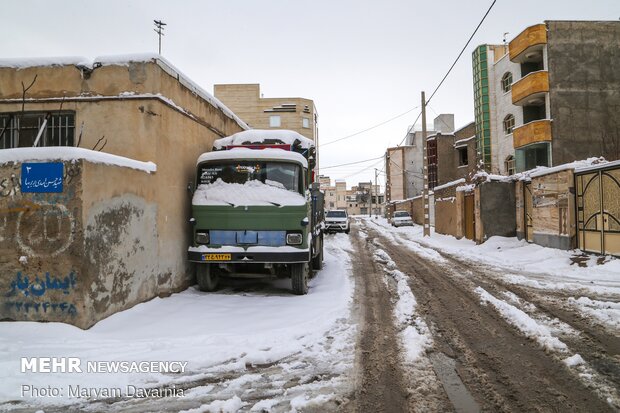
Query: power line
x,y
370,128
350,163
462,50
451,67
364,170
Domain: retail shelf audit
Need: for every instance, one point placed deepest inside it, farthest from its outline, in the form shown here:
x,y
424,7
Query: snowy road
x,y
394,322
251,347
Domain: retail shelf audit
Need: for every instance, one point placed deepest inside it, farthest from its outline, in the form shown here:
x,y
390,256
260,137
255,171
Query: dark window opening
x,y
463,161
531,156
534,112
431,148
507,82
20,130
529,67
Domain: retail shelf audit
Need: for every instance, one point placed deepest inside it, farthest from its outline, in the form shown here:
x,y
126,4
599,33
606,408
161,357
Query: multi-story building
x,y
562,83
247,102
359,200
451,156
495,116
404,165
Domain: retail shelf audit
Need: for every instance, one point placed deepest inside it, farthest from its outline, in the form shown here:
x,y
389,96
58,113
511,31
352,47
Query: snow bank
x,y
523,322
69,153
261,136
251,193
251,154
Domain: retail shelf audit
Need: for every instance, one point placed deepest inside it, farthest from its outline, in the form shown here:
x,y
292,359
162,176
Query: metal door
x,y
528,208
598,211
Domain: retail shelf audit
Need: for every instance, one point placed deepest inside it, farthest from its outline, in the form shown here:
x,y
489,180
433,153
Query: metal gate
x,y
528,207
470,216
598,210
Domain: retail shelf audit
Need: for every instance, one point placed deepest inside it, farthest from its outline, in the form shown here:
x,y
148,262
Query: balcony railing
x,y
536,131
528,38
533,86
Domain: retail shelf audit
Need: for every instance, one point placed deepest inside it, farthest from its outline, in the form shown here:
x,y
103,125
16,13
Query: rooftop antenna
x,y
505,34
160,30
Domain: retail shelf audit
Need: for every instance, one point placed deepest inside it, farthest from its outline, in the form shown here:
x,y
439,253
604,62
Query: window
x,y
509,124
510,165
507,82
305,122
463,156
19,131
274,121
531,156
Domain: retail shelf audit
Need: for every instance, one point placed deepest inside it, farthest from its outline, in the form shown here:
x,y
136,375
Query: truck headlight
x,y
202,237
294,238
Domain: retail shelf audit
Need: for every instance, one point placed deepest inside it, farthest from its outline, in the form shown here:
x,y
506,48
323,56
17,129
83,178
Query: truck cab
x,y
255,212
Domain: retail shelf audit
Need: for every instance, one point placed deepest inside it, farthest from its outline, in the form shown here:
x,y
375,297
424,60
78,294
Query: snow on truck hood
x,y
247,154
262,136
251,193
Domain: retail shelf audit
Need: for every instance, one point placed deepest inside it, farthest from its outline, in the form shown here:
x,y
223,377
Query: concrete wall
x,y
132,228
495,210
520,208
80,256
553,214
584,81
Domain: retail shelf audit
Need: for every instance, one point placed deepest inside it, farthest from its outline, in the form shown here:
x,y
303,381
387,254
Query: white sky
x,y
362,61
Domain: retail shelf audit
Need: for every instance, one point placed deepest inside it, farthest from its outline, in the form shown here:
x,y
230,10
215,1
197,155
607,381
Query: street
x,y
394,322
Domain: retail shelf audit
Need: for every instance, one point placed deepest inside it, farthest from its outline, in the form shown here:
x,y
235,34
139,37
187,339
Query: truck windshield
x,y
278,174
336,214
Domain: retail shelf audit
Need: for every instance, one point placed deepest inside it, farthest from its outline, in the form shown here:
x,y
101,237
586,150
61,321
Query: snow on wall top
x,y
449,184
571,165
250,193
66,153
258,136
599,166
22,63
245,153
124,60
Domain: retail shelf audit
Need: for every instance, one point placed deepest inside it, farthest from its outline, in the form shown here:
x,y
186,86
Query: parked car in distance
x,y
337,221
401,218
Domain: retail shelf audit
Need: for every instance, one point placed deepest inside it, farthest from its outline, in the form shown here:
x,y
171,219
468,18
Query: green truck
x,y
256,211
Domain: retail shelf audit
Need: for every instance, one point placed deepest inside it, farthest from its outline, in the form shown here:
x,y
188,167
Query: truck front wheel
x,y
317,260
207,277
299,278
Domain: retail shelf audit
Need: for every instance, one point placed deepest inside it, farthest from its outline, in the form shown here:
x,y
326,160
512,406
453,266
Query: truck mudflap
x,y
235,257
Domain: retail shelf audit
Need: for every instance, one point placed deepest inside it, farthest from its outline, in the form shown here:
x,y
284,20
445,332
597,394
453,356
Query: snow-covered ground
x,y
229,332
545,268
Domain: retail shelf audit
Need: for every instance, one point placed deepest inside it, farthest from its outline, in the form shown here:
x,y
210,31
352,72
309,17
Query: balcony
x,y
533,132
528,44
531,89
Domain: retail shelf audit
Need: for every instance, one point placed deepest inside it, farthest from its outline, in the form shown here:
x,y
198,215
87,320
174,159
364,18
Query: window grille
x,y
20,130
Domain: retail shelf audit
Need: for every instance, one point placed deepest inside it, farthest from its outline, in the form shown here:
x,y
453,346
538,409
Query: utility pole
x,y
376,194
159,30
425,197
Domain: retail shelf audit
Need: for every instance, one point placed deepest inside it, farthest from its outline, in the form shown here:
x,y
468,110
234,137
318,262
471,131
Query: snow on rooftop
x,y
124,60
266,136
598,166
65,153
571,165
245,153
250,193
25,62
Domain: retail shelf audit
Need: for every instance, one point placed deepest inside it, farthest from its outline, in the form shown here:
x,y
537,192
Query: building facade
x,y
298,114
549,97
125,132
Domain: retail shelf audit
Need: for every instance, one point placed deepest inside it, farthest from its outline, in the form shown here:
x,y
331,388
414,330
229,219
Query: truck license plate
x,y
216,257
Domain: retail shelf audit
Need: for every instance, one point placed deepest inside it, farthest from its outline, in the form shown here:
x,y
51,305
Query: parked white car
x,y
401,218
337,221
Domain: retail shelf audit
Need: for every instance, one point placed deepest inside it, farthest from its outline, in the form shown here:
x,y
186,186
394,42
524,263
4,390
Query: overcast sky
x,y
362,62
